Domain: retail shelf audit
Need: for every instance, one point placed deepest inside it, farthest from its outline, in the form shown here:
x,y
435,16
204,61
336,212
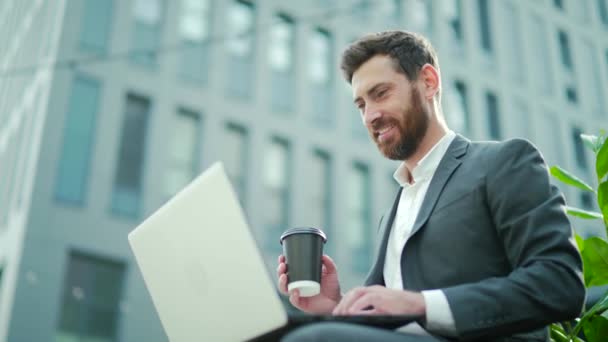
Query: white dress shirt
x,y
439,318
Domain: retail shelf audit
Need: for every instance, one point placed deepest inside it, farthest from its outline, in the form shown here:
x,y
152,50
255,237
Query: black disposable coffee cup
x,y
303,248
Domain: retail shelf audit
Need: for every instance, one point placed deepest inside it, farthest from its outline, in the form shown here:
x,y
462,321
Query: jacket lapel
x,y
446,167
375,275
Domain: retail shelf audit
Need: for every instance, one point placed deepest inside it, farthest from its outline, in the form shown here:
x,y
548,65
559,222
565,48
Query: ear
x,y
430,81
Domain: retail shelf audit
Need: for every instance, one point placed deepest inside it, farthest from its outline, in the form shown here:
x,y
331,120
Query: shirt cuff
x,y
439,318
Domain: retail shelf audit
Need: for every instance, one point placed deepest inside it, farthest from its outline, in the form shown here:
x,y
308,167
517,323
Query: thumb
x,y
294,298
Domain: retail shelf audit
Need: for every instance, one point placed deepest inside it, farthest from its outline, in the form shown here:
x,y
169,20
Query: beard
x,y
411,131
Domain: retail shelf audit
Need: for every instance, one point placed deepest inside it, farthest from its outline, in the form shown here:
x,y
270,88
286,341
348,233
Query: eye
x,y
381,93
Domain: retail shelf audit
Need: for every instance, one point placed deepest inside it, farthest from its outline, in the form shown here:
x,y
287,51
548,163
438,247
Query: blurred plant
x,y
592,326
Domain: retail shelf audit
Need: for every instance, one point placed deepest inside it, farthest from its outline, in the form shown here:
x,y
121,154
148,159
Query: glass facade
x,y
194,32
457,110
236,144
128,178
485,28
96,25
92,291
320,73
579,148
240,48
494,125
276,178
319,203
359,221
148,20
184,150
281,60
78,139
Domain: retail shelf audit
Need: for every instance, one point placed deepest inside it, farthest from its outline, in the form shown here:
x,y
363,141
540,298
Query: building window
x,y
184,150
1,273
579,149
126,195
235,159
453,16
320,73
485,29
96,25
147,30
494,127
319,203
241,33
571,95
603,11
78,139
586,200
606,57
559,4
458,114
359,217
92,291
543,73
564,48
194,27
276,177
281,59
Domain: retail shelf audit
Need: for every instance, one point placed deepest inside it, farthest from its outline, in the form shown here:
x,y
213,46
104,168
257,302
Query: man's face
x,y
391,108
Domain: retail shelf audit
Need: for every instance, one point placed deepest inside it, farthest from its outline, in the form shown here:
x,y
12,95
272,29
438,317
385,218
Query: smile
x,y
383,133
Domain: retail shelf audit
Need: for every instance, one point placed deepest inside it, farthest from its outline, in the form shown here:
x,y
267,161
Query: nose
x,y
370,115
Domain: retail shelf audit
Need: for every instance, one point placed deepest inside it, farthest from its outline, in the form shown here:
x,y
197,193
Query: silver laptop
x,y
205,274
200,263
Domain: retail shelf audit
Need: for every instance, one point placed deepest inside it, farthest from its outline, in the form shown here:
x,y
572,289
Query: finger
x,y
365,301
294,298
329,264
281,269
343,307
283,284
281,258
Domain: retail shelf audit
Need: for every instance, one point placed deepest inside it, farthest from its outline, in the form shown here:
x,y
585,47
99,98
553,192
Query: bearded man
x,y
477,242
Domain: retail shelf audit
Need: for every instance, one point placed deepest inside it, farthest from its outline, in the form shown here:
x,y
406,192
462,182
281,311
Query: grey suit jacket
x,y
493,235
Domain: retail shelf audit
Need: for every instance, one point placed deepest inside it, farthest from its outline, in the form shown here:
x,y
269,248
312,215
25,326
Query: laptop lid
x,y
201,265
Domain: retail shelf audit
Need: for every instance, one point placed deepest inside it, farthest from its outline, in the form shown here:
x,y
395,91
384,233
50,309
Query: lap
x,y
332,331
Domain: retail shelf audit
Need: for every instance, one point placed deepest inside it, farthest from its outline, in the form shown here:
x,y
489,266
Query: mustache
x,y
383,122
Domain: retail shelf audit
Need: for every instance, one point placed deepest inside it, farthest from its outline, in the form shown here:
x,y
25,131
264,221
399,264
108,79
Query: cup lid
x,y
303,230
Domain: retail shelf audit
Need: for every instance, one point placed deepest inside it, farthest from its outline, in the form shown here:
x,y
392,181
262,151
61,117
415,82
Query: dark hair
x,y
409,52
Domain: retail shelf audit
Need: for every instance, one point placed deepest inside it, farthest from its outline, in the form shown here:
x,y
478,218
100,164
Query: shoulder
x,y
496,151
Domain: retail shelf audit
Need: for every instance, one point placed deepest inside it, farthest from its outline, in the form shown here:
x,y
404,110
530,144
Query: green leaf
x,y
595,261
580,242
589,215
570,179
596,329
590,141
602,198
601,163
558,334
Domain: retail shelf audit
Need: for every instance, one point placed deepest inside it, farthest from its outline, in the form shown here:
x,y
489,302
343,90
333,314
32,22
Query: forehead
x,y
378,69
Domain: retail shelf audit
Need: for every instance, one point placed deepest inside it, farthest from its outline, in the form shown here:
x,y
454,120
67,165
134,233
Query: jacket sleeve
x,y
545,284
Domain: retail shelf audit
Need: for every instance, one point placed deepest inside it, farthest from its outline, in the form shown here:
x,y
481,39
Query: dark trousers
x,y
338,332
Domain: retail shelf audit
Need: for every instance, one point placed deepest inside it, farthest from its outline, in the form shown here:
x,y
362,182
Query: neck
x,y
436,130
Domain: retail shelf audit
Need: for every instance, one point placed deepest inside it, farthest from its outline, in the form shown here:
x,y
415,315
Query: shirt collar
x,y
427,165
